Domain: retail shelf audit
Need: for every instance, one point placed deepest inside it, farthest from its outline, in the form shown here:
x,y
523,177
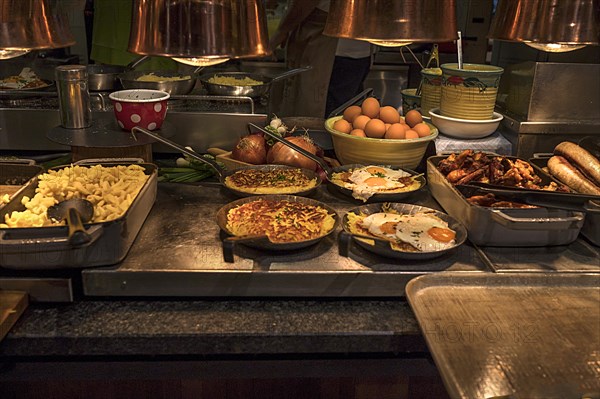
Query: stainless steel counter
x,y
178,253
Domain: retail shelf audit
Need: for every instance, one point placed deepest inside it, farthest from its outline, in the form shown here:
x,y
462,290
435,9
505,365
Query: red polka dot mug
x,y
140,107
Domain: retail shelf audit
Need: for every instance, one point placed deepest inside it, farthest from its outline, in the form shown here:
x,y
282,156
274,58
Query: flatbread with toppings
x,y
280,220
27,79
270,181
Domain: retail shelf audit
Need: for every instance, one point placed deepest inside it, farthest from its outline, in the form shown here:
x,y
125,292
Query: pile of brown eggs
x,y
374,121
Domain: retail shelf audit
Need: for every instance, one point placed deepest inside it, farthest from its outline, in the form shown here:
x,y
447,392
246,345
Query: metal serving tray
x,y
591,226
535,227
48,247
511,336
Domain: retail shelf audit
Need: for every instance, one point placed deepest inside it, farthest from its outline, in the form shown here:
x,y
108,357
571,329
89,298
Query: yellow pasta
x,y
110,189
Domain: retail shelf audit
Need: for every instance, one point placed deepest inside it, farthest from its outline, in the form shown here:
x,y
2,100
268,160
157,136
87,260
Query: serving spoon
x,y
75,211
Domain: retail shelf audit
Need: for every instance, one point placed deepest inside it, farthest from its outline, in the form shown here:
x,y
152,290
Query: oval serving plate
x,y
377,197
383,247
262,242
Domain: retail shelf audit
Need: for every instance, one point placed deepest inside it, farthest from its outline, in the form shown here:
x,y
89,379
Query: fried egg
x,y
369,180
424,231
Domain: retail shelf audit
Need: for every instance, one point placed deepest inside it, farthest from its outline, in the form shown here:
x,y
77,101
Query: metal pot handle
x,y
89,161
289,73
48,243
20,161
135,63
534,223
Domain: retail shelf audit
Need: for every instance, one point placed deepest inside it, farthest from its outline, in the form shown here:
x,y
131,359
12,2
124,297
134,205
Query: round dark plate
x,y
264,243
382,247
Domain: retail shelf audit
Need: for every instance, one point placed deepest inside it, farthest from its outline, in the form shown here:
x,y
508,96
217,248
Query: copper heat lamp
x,y
199,32
27,25
393,22
548,25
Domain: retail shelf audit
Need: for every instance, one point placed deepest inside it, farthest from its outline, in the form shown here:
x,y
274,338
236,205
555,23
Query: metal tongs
x,y
544,198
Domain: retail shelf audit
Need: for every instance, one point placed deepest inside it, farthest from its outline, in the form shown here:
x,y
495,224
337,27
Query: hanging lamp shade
x,y
393,22
199,30
27,25
548,25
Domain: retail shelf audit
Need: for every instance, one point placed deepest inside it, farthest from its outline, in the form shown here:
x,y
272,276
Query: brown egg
x,y
422,129
370,107
342,125
352,112
396,131
358,132
411,134
387,126
375,129
413,117
389,114
360,122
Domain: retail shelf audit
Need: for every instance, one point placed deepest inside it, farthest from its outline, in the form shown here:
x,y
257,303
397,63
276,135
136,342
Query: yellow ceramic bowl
x,y
364,150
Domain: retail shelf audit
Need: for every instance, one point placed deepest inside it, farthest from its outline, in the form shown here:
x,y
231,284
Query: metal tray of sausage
x,y
504,227
44,248
591,226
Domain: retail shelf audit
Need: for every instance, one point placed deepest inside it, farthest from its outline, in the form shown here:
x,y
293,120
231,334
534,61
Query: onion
x,y
251,149
283,155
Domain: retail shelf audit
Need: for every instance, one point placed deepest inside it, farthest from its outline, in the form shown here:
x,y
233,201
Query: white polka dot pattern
x,y
157,107
151,126
135,118
118,107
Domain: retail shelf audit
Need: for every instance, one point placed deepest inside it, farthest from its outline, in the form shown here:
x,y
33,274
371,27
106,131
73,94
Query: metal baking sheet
x,y
178,253
512,335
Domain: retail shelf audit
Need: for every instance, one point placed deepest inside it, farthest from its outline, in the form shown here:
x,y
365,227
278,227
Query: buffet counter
x,y
308,313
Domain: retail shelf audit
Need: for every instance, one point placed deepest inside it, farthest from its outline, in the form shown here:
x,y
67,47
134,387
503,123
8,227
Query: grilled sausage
x,y
588,164
564,171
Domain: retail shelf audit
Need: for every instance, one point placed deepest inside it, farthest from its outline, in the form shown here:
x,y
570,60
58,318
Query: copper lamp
x,y
27,25
548,25
199,32
393,22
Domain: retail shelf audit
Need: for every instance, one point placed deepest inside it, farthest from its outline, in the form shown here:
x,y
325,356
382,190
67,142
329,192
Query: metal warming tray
x,y
512,335
591,226
535,227
48,247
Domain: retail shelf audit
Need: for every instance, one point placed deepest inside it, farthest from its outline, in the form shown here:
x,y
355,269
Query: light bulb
x,y
555,47
6,53
200,61
390,43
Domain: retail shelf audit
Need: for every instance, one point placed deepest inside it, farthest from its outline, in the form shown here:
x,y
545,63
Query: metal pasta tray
x,y
509,335
504,227
591,226
34,248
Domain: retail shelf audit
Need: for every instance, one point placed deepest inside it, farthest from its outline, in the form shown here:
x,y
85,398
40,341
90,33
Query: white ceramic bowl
x,y
465,128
